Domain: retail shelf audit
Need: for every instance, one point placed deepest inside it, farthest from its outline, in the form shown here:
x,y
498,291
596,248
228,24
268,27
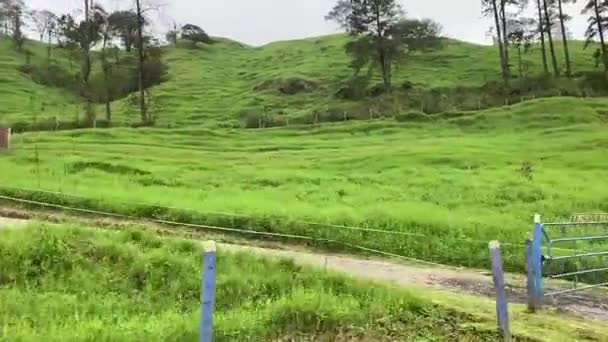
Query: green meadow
x,y
445,186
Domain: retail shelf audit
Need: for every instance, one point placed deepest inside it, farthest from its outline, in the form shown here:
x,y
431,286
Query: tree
x,y
504,14
195,34
43,21
521,36
173,34
125,26
597,26
549,31
106,65
12,14
541,31
382,36
83,35
562,20
143,110
495,9
18,36
5,19
46,23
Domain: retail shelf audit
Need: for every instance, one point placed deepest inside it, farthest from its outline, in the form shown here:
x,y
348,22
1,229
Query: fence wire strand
x,y
306,223
224,229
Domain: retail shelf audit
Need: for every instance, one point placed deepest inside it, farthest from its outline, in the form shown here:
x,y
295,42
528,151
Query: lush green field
x,y
72,284
233,85
479,176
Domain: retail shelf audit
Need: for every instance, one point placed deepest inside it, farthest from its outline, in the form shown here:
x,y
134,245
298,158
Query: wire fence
x,y
411,246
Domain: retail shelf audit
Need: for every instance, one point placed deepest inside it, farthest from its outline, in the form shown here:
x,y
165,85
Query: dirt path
x,y
592,303
460,280
6,222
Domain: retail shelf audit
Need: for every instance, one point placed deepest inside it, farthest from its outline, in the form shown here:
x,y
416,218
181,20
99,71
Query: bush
x,y
412,117
288,86
124,77
353,89
51,75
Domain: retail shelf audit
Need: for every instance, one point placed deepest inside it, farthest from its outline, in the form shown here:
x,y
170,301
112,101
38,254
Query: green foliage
x,y
124,25
382,36
134,286
288,86
122,79
195,34
51,75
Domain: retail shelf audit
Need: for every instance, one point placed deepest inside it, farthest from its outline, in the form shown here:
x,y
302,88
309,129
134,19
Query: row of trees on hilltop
x,y
512,27
384,36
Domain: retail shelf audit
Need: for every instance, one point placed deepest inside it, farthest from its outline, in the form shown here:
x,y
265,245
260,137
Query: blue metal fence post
x,y
530,275
502,309
207,292
537,261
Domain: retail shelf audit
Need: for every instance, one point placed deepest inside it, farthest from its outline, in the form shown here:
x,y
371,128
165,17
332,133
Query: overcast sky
x,y
257,22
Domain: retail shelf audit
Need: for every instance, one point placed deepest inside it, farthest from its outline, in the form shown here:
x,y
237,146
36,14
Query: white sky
x,y
257,22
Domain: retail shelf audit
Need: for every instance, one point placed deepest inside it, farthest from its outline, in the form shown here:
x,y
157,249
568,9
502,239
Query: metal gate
x,y
575,252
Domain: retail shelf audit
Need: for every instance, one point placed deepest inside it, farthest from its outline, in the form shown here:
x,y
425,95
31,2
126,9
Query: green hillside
x,y
21,99
233,85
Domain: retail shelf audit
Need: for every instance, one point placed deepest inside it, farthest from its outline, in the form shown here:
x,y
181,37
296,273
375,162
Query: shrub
x,y
51,75
412,117
288,86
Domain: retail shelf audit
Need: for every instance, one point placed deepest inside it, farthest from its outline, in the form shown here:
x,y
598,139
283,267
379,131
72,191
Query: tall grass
x,y
459,181
68,283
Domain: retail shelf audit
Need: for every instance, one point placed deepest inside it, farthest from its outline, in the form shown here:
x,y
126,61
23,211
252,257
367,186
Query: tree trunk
x,y
505,36
50,46
384,64
106,77
108,109
542,37
505,74
384,68
86,72
600,30
140,47
565,39
521,66
550,37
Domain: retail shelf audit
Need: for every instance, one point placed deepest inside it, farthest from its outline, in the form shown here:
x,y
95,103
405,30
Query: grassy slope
x,y
69,283
456,178
216,84
22,100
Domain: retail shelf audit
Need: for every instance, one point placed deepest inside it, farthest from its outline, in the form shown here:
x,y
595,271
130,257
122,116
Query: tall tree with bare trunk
x,y
597,10
549,31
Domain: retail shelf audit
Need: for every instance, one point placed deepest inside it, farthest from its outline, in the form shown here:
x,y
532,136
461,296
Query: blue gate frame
x,y
541,265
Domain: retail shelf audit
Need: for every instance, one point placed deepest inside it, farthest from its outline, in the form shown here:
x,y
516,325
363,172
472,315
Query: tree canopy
x,y
195,34
383,36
